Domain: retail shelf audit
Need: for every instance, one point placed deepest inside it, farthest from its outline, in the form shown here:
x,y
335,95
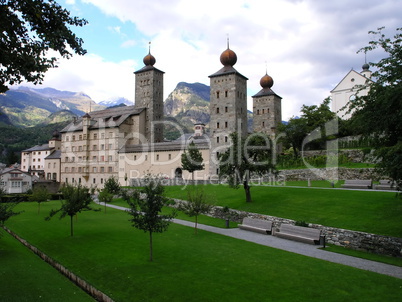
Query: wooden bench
x,y
358,184
256,225
298,233
385,185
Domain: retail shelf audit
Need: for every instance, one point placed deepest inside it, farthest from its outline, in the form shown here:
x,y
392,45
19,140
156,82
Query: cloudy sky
x,y
307,46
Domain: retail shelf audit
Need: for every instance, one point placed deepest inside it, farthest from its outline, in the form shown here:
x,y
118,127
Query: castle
x,y
127,142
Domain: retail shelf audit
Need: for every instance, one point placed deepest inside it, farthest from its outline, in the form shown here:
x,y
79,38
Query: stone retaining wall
x,y
385,245
96,294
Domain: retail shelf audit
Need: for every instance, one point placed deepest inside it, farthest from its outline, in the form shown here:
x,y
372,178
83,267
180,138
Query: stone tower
x,y
149,95
228,107
267,109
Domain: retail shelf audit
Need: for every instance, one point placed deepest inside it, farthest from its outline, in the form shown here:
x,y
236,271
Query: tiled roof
x,y
108,118
201,142
44,147
227,70
54,155
266,92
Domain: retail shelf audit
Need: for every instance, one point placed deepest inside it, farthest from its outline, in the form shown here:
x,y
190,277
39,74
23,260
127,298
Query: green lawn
x,y
113,256
26,277
372,211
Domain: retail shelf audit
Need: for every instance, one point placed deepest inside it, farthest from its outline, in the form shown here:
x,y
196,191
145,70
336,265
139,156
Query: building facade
x,y
127,142
14,180
354,84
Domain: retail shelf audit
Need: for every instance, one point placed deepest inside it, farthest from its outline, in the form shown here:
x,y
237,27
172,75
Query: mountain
x,y
188,104
113,102
28,107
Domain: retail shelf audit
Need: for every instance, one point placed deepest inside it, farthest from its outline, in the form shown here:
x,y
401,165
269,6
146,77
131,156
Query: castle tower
x,y
228,107
149,95
267,109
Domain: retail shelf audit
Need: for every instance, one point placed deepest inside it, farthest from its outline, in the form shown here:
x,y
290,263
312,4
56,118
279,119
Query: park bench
x,y
358,184
256,225
298,233
385,185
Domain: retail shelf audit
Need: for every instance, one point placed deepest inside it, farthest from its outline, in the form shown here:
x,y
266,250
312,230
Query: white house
x,y
13,180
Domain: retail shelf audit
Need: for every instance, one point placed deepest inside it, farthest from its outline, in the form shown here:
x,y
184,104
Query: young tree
x,y
76,199
191,160
145,208
105,196
112,185
30,28
244,159
39,194
378,115
196,204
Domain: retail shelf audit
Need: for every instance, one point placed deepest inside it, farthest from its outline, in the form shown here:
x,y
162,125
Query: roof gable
x,y
351,80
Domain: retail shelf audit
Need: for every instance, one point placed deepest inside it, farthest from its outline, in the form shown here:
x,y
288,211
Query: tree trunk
x,y
150,247
71,226
247,190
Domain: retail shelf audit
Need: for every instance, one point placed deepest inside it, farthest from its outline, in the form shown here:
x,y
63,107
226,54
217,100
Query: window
x,y
67,138
102,147
110,134
258,111
226,139
80,148
72,169
66,170
94,147
217,110
48,165
102,169
217,94
54,165
263,124
94,180
110,158
226,94
217,139
94,158
73,138
95,135
110,146
54,176
66,160
102,135
226,124
170,156
217,125
110,169
80,137
135,157
102,158
79,169
94,169
263,111
226,109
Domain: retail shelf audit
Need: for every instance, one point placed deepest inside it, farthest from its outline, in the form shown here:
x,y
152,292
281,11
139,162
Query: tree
x,y
112,185
105,196
196,204
29,30
76,199
191,160
295,131
39,194
145,208
244,159
6,209
378,114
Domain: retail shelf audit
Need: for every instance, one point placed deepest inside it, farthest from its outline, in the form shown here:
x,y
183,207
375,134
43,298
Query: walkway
x,y
296,247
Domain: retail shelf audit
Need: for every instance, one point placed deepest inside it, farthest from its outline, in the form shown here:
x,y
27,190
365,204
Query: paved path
x,y
296,247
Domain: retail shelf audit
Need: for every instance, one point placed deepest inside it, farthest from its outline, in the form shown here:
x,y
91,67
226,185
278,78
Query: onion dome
x,y
266,81
365,66
228,57
56,135
149,60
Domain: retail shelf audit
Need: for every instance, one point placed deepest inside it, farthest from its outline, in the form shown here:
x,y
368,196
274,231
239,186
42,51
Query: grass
x,y
25,277
113,256
366,211
365,255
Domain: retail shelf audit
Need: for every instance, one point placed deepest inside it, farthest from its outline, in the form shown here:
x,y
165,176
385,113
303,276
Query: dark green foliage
x,y
105,196
146,209
245,159
76,199
6,211
312,118
378,115
39,194
191,159
30,28
301,223
112,185
196,204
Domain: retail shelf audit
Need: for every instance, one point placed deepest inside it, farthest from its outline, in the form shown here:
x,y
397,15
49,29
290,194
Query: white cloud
x,y
309,45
